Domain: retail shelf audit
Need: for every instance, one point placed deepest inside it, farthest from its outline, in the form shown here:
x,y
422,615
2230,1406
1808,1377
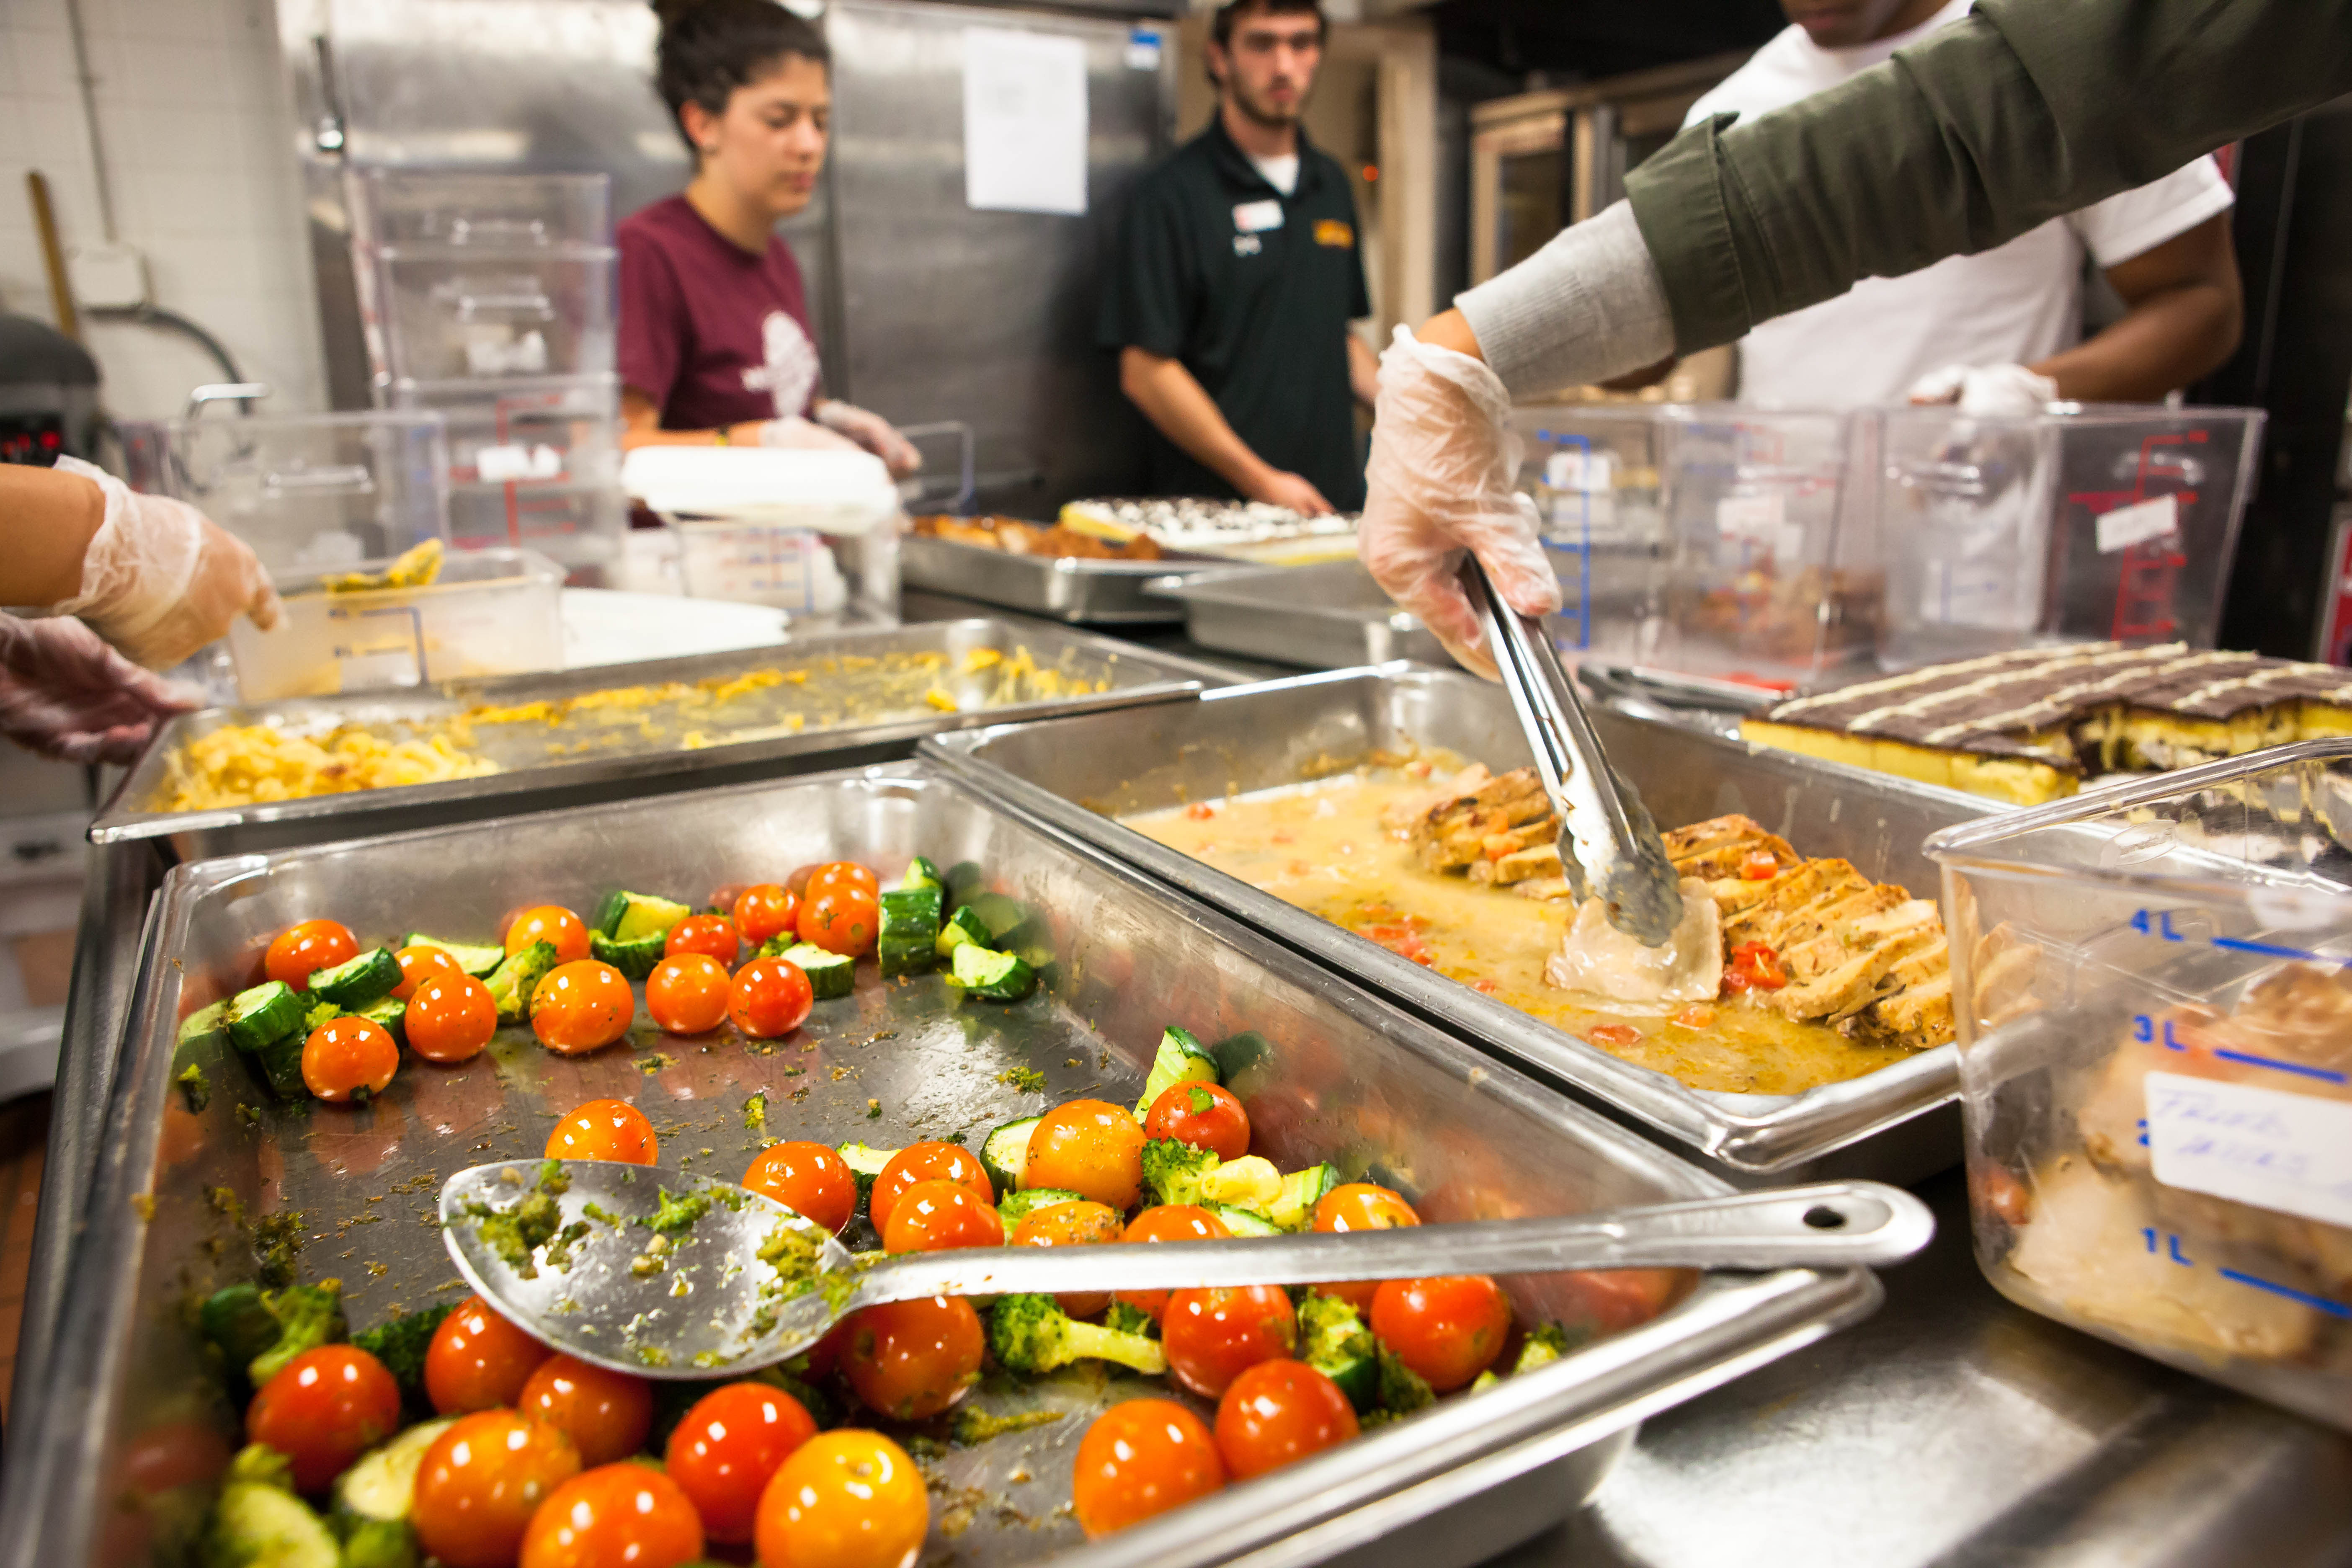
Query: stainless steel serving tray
x,y
1079,773
1061,588
534,778
1322,616
1340,1073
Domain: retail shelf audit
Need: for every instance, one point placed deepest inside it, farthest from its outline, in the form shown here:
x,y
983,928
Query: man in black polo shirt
x,y
1237,276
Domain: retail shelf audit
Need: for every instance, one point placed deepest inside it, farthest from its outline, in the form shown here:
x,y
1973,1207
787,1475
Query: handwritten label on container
x,y
2137,523
2267,1147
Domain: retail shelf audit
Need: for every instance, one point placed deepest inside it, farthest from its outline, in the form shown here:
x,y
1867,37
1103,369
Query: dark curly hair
x,y
710,47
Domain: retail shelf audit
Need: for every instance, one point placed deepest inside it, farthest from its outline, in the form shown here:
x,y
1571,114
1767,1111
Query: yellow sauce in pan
x,y
1322,847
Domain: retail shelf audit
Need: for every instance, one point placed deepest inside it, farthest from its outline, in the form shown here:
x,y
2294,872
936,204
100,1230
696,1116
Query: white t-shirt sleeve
x,y
2138,221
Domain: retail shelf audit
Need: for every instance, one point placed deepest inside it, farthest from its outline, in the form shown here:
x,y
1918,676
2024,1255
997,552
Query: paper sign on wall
x,y
1024,121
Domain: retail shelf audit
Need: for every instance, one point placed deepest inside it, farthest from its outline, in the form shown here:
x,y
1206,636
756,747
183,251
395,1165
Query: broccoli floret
x,y
1174,1171
1545,1345
1031,1334
1129,1320
308,1316
1330,1333
1402,1390
517,976
400,1344
513,1232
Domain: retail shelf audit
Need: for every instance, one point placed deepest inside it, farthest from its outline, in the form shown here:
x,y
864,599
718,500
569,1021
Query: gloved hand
x,y
1987,390
66,694
871,431
800,435
160,579
1444,466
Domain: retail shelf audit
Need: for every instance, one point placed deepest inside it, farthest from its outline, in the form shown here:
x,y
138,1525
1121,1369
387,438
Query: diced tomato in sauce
x,y
1762,865
1697,1015
1199,811
1755,967
1615,1035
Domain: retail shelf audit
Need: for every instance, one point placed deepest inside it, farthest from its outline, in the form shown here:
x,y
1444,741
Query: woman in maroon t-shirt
x,y
715,346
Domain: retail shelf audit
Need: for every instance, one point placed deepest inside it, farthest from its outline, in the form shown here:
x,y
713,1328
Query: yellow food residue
x,y
941,699
982,658
416,568
242,764
700,694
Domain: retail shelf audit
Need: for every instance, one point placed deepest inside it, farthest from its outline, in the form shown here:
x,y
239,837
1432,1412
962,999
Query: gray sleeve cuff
x,y
1590,305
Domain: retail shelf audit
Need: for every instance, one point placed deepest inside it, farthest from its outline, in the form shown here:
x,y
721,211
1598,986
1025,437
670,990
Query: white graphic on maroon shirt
x,y
790,371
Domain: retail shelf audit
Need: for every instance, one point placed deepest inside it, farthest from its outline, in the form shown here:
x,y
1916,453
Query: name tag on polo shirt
x,y
1257,218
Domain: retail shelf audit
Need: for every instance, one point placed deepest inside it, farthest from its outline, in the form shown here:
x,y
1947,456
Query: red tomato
x,y
1279,1412
764,912
480,1483
325,1408
810,1179
843,874
348,1058
910,1360
729,1444
1754,966
926,1161
1089,1147
1618,1299
581,1005
1359,1205
939,1216
1205,1115
799,880
1213,1335
687,993
771,997
1614,1037
301,950
604,1130
450,1018
550,923
419,962
842,912
844,1500
1141,1458
1447,1329
618,1515
606,1414
1167,1222
1080,1224
713,936
477,1360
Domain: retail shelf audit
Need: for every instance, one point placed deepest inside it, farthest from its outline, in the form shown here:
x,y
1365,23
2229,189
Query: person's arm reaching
x,y
2186,312
1185,413
1363,371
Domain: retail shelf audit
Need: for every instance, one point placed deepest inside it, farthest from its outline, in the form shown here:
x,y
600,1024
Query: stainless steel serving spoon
x,y
614,1289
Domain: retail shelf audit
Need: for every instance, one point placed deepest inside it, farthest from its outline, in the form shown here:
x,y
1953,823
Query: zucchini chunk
x,y
958,928
515,979
632,917
1015,1207
865,1164
1244,1222
357,982
1005,1154
1301,1191
921,873
909,940
1182,1059
263,1016
380,1484
476,960
204,1026
392,1014
991,976
255,1526
829,975
635,959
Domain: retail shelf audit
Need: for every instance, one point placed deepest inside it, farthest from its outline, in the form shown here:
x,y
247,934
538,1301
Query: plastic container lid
x,y
824,492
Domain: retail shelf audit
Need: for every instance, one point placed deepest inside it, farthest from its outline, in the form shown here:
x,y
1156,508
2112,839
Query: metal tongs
x,y
1609,848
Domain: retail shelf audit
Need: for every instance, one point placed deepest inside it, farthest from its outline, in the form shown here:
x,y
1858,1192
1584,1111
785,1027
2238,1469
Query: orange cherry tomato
x,y
766,911
1089,1147
844,1500
1080,1224
771,997
1213,1335
842,912
324,1409
477,1360
729,1443
450,1018
550,923
606,1414
419,962
925,1161
1448,1330
582,1005
604,1130
301,950
843,874
480,1483
1167,1222
1141,1458
687,993
939,1216
1277,1413
1205,1115
616,1516
1359,1205
346,1056
910,1360
810,1179
713,936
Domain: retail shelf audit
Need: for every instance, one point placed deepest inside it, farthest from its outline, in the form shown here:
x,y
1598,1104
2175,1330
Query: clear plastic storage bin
x,y
479,210
1596,476
2156,1056
490,612
814,532
533,463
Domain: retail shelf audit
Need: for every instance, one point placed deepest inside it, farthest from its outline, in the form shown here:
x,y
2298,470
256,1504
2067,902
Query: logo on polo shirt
x,y
1331,231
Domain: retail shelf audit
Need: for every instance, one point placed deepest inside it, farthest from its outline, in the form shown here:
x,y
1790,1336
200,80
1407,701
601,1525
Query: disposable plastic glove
x,y
65,694
1987,390
800,435
871,431
160,579
1440,480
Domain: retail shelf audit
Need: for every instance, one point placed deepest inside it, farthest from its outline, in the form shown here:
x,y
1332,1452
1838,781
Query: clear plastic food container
x,y
816,533
489,612
479,210
2155,1059
1596,474
446,313
539,431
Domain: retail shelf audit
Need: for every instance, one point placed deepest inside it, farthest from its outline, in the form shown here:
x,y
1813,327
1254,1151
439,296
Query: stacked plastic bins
x,y
489,299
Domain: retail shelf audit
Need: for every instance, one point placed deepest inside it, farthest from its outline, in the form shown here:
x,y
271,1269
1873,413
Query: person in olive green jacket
x,y
2024,112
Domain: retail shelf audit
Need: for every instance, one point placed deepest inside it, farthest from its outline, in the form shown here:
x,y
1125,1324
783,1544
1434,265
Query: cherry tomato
x,y
766,911
301,950
939,1216
723,898
1205,1115
909,1360
606,1414
477,1360
810,1179
1277,1413
480,1483
581,1005
604,1130
1081,1223
550,923
1359,1205
771,997
713,936
1141,1458
322,1410
1213,1335
616,1516
841,911
843,874
1089,1147
844,1500
346,1056
450,1018
1448,1330
419,962
799,880
1167,1222
729,1444
687,993
927,1162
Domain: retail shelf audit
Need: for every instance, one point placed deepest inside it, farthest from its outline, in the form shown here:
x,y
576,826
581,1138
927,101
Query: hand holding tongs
x,y
1609,848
